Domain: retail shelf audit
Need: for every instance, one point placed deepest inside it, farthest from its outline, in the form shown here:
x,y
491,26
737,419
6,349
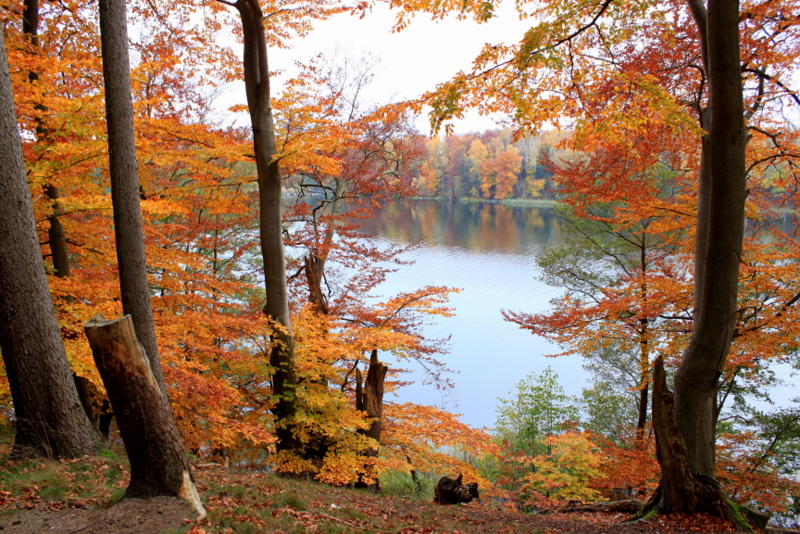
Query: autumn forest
x,y
193,284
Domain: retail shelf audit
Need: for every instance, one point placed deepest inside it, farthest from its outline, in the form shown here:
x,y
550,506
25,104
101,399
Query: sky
x,y
411,61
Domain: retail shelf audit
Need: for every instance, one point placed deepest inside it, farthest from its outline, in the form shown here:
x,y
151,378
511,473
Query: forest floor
x,y
84,497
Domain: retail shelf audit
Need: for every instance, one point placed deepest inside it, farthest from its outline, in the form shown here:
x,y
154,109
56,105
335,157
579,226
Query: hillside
x,y
71,497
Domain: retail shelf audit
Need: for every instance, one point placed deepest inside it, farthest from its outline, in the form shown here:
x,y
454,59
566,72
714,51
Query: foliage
x,y
537,410
490,165
198,199
566,472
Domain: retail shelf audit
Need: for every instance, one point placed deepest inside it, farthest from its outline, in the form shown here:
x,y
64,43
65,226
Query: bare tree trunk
x,y
257,86
125,179
685,434
696,381
680,488
49,419
314,267
158,460
370,401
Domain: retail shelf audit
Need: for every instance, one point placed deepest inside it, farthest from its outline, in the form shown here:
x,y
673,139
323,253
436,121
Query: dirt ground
x,y
129,516
169,515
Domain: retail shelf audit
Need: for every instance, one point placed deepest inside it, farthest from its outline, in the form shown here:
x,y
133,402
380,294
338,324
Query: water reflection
x,y
488,251
479,227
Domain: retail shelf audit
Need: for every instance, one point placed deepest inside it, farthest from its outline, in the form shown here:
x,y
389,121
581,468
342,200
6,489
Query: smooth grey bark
x,y
50,421
685,423
697,378
257,87
125,180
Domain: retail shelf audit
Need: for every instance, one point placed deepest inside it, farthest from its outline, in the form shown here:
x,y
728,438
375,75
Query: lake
x,y
488,251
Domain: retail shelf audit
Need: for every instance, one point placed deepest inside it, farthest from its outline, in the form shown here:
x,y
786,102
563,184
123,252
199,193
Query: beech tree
x,y
267,157
125,180
257,86
50,421
554,72
158,460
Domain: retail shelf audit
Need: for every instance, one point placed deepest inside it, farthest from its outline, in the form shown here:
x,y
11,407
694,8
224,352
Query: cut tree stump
x,y
159,465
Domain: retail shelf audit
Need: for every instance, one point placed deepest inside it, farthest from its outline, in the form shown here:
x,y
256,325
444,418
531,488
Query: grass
x,y
239,501
400,484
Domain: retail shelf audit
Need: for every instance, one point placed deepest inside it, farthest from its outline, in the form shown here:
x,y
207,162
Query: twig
x,y
84,528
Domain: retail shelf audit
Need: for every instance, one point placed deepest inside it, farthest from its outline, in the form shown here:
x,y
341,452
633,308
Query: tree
x,y
257,86
478,154
160,467
631,89
538,409
499,174
50,421
718,250
125,181
620,270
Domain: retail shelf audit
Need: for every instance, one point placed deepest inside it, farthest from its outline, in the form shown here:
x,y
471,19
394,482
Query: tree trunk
x,y
152,441
686,449
49,419
83,387
257,86
314,267
125,180
680,488
370,401
696,380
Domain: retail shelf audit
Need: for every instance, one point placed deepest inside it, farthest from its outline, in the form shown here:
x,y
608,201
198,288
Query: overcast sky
x,y
412,61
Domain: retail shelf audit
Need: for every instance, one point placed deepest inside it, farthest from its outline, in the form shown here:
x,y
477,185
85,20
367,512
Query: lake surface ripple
x,y
488,251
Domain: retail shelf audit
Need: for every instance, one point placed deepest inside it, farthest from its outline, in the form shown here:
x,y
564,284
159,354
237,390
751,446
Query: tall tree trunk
x,y
49,419
158,460
719,253
125,179
56,238
696,380
257,86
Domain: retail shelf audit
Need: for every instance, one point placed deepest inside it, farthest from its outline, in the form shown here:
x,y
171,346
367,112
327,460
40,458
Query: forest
x,y
193,284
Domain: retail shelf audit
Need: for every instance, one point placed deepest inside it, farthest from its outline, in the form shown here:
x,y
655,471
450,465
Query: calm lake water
x,y
488,252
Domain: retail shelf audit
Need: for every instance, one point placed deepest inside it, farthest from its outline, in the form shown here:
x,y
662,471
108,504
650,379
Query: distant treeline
x,y
490,165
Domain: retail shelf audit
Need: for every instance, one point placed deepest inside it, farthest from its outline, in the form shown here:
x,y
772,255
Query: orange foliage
x,y
198,202
747,476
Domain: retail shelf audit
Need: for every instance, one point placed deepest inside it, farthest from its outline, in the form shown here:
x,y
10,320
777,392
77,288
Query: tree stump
x,y
158,460
370,401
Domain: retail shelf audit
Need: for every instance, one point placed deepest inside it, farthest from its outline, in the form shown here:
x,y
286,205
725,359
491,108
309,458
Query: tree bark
x,y
257,87
680,489
125,179
686,450
314,267
370,401
158,460
696,380
50,421
55,234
